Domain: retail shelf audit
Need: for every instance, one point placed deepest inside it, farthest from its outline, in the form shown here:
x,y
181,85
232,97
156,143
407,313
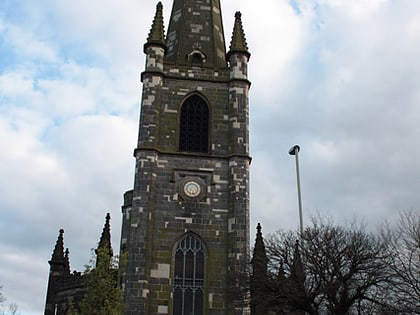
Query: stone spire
x,y
238,43
58,260
157,32
259,275
259,259
195,34
58,253
67,262
104,246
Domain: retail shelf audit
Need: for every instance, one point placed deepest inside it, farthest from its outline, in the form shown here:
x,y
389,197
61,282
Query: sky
x,y
341,78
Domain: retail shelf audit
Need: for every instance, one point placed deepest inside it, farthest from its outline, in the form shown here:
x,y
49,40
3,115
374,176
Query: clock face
x,y
192,189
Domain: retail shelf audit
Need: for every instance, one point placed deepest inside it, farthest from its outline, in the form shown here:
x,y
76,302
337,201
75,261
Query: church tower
x,y
185,230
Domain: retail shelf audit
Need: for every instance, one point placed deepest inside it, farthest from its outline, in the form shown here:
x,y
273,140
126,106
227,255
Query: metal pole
x,y
295,151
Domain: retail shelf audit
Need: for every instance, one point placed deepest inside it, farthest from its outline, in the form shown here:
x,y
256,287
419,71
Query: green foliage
x,y
103,296
72,310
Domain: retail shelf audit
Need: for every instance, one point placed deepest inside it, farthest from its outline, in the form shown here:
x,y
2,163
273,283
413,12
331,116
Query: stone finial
x,y
157,32
259,228
238,43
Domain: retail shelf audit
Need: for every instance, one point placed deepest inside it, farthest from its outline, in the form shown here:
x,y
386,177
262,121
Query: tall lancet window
x,y
194,125
188,285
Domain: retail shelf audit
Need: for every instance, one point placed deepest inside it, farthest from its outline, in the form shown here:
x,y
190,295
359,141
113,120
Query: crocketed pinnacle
x,y
259,260
104,251
238,42
157,32
67,262
105,240
58,253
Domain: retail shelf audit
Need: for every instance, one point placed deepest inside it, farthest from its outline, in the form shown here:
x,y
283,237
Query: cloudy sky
x,y
339,77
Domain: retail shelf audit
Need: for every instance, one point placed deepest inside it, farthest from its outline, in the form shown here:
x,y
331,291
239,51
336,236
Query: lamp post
x,y
295,151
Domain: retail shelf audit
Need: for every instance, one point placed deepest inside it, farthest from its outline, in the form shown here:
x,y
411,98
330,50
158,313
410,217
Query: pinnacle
x,y
58,253
157,32
105,240
67,261
238,42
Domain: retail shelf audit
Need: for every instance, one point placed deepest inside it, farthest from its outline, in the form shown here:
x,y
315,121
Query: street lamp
x,y
295,151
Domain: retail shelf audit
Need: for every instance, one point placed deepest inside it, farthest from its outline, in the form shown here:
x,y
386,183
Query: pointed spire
x,y
259,281
104,245
58,253
259,259
195,35
157,32
238,42
67,262
297,272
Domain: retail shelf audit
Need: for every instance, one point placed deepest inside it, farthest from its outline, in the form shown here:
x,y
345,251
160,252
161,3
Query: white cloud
x,y
26,44
358,9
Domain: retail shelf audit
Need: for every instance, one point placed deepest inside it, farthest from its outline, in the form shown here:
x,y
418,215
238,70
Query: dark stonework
x,y
66,288
180,196
159,212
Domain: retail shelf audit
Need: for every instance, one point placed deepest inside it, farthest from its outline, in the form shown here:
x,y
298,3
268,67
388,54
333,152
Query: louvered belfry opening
x,y
194,125
188,287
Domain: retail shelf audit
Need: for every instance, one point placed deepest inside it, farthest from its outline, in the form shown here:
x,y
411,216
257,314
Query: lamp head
x,y
293,150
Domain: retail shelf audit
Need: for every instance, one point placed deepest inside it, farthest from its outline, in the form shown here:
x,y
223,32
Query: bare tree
x,y
404,247
11,309
329,269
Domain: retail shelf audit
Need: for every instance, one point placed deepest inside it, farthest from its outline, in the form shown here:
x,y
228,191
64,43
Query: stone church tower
x,y
185,229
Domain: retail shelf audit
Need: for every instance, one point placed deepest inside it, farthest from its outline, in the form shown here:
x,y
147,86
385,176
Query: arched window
x,y
188,286
194,125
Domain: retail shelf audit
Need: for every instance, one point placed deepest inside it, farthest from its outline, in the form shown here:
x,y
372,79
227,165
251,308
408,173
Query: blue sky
x,y
339,77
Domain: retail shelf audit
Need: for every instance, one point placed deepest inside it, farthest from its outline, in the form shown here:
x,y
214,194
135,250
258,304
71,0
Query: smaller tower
x,y
67,288
259,279
152,79
59,267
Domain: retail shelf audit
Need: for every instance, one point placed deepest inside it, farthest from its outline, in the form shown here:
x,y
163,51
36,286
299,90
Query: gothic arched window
x,y
194,125
188,285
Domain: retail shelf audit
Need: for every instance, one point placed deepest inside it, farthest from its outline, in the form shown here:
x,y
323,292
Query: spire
x,y
58,253
157,32
297,272
238,42
195,35
259,259
67,262
259,281
104,246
